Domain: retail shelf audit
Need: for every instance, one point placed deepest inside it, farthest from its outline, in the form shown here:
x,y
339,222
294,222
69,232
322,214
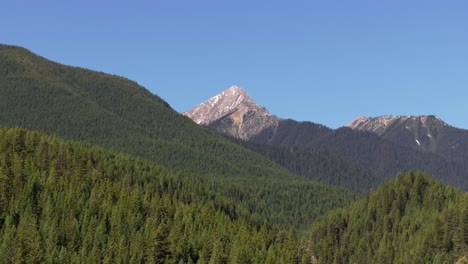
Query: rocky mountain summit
x,y
233,112
368,150
417,131
383,124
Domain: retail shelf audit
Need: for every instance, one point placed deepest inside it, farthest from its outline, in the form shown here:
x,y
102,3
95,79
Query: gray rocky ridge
x,y
234,113
381,123
418,131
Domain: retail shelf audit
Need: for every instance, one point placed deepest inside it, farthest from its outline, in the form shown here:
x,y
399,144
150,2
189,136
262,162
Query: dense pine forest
x,y
353,159
115,113
411,219
96,169
65,202
321,166
118,114
357,160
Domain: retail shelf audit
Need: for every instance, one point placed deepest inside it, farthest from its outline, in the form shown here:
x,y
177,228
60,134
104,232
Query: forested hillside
x,y
63,202
322,166
387,159
411,219
350,158
140,183
428,133
67,202
116,113
356,160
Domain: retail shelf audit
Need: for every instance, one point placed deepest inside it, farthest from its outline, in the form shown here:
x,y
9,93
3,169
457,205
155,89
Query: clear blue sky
x,y
322,61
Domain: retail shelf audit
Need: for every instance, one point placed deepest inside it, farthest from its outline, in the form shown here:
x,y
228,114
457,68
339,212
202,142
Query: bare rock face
x,y
234,113
381,124
417,131
374,124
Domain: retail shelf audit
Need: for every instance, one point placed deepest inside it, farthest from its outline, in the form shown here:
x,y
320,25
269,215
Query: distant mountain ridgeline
x,y
367,152
118,114
188,195
115,113
428,133
69,202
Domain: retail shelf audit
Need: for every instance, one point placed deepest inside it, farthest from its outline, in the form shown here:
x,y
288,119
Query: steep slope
x,y
280,140
118,114
322,166
113,112
385,158
233,112
369,151
63,202
428,133
292,133
411,219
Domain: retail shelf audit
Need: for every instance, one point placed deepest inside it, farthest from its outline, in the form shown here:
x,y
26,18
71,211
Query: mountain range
x,y
235,113
118,114
95,168
369,150
428,133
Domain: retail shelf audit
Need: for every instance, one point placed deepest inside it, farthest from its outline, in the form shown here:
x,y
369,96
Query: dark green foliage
x,y
118,114
411,219
356,160
361,160
433,134
69,203
115,113
386,158
321,166
292,133
65,202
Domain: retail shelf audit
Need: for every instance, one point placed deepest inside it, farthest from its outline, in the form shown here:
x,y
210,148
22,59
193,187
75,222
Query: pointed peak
x,y
235,90
356,122
361,118
234,94
432,118
225,103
